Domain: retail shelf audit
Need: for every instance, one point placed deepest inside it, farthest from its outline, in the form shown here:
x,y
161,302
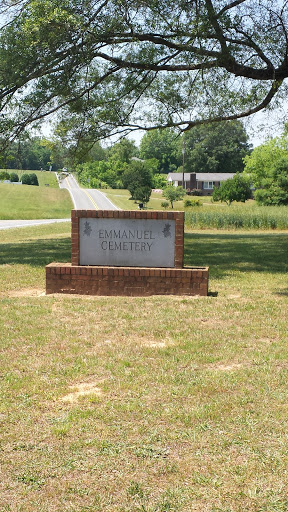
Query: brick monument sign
x,y
134,253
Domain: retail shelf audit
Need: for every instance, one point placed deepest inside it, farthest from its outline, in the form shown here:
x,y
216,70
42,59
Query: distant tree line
x,y
219,147
211,148
34,153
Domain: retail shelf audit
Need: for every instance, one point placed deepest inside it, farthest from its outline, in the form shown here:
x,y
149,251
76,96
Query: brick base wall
x,y
126,281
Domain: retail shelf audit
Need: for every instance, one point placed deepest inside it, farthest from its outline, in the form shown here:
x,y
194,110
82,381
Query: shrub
x,y
26,179
191,202
14,177
34,179
274,189
4,175
159,180
165,204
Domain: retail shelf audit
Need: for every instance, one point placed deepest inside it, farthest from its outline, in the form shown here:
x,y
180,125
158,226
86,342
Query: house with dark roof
x,y
200,182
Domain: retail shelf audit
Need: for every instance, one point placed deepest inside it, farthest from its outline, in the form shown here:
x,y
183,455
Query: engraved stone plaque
x,y
127,242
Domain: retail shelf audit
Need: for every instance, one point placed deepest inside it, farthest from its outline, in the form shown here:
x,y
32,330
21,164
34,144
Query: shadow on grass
x,y
224,253
36,253
283,293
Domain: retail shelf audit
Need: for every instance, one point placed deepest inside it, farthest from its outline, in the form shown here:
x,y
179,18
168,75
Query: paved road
x,y
8,224
86,199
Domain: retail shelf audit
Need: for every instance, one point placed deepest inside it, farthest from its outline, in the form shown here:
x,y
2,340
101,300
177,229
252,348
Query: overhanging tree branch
x,y
171,64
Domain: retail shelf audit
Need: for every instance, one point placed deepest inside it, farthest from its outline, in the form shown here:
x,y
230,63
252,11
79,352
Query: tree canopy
x,y
138,180
233,189
162,145
274,190
173,194
267,170
217,147
28,153
121,65
258,165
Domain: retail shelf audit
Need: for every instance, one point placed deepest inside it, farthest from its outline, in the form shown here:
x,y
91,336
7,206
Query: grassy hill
x,y
29,202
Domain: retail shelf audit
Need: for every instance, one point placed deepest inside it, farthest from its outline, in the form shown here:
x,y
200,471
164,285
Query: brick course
x,y
129,281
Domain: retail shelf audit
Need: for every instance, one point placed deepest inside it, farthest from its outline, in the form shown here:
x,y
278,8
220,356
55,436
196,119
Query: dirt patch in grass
x,y
227,367
81,389
26,292
156,344
268,341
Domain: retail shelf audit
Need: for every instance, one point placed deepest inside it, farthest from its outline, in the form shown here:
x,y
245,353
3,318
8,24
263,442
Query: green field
x,y
30,202
44,177
121,198
159,404
46,202
213,215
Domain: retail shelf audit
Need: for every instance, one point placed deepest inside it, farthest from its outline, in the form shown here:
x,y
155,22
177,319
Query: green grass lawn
x,y
117,404
45,178
30,202
121,198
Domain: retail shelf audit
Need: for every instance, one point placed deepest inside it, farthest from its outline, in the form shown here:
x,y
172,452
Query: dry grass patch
x,y
80,390
156,344
228,367
26,292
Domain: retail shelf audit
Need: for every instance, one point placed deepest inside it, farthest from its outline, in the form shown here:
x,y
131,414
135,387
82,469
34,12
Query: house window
x,y
208,185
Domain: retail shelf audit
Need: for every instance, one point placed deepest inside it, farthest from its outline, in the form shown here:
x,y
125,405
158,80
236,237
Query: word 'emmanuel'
x,y
127,234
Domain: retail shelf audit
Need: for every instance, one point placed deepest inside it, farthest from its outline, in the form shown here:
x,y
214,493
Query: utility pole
x,y
183,153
